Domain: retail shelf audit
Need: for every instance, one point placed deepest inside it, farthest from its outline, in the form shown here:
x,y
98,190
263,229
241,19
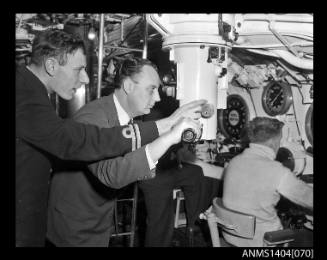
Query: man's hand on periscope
x,y
183,124
190,110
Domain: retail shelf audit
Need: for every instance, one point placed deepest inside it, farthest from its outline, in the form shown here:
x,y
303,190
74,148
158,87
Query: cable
x,y
297,125
249,92
271,46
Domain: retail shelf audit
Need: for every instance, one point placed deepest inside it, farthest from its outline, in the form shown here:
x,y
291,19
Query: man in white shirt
x,y
254,181
81,206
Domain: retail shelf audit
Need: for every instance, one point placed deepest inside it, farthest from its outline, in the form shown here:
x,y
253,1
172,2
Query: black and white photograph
x,y
165,130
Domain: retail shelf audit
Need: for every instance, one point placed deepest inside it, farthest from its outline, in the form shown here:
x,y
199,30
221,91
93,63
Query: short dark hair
x,y
130,67
261,129
55,43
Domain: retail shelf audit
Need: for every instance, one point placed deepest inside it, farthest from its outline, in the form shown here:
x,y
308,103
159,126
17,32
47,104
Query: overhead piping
x,y
145,41
264,46
280,37
293,60
280,18
304,64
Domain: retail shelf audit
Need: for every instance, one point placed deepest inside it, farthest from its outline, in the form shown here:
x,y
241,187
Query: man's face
x,y
71,76
145,91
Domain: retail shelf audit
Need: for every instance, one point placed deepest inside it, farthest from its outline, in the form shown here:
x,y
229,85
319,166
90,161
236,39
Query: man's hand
x,y
177,130
159,146
190,110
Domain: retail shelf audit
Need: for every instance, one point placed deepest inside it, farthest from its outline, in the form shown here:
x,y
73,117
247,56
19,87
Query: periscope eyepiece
x,y
191,135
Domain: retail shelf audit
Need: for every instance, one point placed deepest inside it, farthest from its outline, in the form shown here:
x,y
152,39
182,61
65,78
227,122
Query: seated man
x,y
81,204
254,181
179,168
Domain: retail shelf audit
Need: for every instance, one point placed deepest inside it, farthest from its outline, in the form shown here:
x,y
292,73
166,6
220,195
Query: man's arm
x,y
39,125
134,166
296,190
121,171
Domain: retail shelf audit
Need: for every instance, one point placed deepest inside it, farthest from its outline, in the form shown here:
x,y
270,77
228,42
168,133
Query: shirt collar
x,y
123,117
263,150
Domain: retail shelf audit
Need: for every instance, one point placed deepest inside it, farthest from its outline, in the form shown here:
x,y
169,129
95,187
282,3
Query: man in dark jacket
x,y
81,207
58,65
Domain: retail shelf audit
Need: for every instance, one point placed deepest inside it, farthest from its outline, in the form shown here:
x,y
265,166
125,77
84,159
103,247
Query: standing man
x,y
81,207
58,65
254,181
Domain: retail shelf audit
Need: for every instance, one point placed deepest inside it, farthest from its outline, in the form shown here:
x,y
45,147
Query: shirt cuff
x,y
152,164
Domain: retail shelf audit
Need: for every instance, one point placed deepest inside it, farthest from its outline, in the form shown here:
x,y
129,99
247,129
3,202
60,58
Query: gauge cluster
x,y
233,119
277,98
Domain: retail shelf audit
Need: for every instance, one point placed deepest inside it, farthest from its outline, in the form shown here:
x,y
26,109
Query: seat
x,y
239,224
133,200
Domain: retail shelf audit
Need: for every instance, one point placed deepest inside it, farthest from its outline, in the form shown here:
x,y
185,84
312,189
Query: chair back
x,y
233,222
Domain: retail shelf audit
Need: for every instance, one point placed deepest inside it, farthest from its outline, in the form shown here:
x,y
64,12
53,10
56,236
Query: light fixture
x,y
91,35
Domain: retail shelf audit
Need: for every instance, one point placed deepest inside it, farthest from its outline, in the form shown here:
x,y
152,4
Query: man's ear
x,y
128,86
51,66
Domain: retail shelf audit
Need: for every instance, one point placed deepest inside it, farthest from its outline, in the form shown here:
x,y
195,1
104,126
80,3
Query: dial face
x,y
233,119
309,124
276,98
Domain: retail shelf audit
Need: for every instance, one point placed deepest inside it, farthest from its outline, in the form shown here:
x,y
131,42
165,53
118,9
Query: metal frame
x,y
101,48
131,233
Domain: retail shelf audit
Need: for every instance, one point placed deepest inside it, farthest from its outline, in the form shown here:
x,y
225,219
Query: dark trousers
x,y
158,194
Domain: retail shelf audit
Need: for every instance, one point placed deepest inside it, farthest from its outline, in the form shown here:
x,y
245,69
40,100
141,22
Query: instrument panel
x,y
309,124
277,98
232,120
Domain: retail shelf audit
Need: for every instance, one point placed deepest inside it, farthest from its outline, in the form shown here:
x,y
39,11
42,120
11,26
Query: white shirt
x,y
253,183
124,119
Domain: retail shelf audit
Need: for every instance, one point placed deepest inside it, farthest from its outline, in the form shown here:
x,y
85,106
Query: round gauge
x,y
309,124
277,98
232,120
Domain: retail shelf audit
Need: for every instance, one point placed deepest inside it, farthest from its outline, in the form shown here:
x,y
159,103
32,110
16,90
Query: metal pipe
x,y
122,48
301,63
289,72
297,35
280,37
101,34
293,60
266,46
145,41
263,52
122,29
298,18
